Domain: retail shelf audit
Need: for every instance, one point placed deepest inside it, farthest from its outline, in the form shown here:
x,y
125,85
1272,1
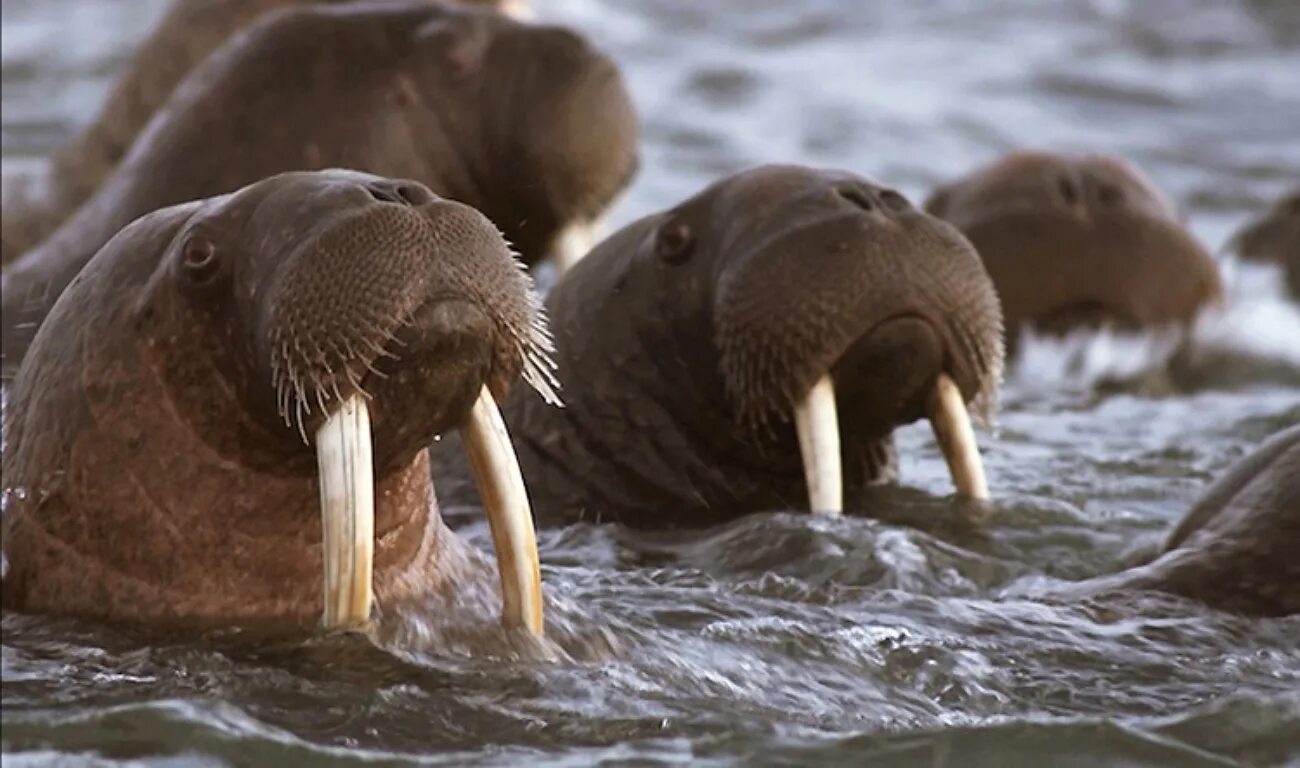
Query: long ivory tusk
x,y
347,504
952,429
574,242
818,425
501,486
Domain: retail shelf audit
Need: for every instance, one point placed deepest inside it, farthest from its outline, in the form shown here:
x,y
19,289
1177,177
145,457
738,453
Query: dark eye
x,y
1069,193
674,243
199,259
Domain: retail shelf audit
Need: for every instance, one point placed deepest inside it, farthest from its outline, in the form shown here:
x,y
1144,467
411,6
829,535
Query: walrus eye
x,y
674,243
1068,191
199,257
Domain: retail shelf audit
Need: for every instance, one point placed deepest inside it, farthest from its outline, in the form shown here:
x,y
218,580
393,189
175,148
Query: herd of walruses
x,y
244,305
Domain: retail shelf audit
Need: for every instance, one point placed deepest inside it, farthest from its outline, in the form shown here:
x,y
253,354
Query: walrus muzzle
x,y
344,455
817,422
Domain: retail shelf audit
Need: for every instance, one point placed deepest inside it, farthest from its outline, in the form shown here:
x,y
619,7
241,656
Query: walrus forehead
x,y
1047,182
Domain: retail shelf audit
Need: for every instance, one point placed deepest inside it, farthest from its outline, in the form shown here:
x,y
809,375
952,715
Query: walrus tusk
x,y
818,425
575,241
952,430
501,486
347,504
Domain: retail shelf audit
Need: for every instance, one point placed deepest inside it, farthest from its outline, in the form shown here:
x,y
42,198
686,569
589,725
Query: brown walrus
x,y
1236,549
1079,241
188,31
528,124
202,389
1275,238
689,339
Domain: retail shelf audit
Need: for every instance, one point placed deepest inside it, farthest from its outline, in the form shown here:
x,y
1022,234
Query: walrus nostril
x,y
1109,195
857,196
894,201
402,193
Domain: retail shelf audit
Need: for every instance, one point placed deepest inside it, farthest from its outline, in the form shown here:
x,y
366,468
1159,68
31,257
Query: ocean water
x,y
783,639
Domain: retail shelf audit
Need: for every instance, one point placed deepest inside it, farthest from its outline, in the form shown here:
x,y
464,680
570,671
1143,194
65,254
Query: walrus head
x,y
1075,242
578,144
528,124
311,331
714,349
1274,237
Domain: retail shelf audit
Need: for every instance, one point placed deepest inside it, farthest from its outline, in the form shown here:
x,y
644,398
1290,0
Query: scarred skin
x,y
684,339
1236,549
526,123
186,34
154,464
1079,242
1274,237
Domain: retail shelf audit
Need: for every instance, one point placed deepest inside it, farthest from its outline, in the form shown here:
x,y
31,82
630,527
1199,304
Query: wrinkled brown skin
x,y
149,473
684,340
526,123
188,31
1275,238
1237,549
1079,242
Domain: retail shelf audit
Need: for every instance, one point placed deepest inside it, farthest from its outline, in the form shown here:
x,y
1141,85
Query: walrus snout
x,y
1080,242
886,317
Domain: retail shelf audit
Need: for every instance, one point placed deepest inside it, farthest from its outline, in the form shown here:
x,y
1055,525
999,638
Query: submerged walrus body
x,y
203,396
186,34
753,348
1238,549
1079,242
528,124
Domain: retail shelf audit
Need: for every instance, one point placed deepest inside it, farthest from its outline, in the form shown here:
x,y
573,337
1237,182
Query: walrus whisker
x,y
501,486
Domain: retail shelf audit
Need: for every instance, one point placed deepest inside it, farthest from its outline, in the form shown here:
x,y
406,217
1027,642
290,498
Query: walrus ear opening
x,y
200,261
674,243
457,44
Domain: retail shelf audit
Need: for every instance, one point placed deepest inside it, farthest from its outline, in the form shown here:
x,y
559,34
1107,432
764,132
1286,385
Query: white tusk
x,y
956,439
574,242
818,425
501,486
347,506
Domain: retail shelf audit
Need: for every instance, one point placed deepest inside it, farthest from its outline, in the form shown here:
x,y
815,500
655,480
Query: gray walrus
x,y
190,437
1236,550
753,348
528,124
1079,242
37,203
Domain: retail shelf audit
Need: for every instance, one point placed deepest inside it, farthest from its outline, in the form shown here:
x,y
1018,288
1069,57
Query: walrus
x,y
1274,237
1236,548
528,124
1081,241
753,348
188,31
235,396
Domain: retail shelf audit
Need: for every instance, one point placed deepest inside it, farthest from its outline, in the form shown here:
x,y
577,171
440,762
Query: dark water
x,y
784,639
